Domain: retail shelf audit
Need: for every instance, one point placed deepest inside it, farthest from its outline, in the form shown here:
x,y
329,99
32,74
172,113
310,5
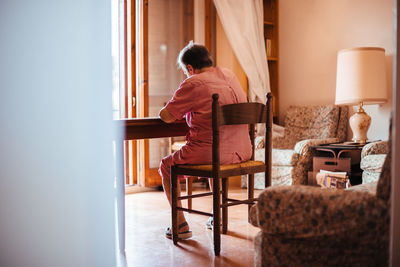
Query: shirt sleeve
x,y
183,100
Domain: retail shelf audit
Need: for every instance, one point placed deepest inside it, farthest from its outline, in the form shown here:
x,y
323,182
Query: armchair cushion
x,y
284,157
281,175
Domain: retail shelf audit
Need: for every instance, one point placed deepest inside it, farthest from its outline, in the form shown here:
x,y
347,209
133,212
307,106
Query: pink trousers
x,y
192,154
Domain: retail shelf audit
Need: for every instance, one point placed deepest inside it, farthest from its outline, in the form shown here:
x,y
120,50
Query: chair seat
x,y
205,167
251,166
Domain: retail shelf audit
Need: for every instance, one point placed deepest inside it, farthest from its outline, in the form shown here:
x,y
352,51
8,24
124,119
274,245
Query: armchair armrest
x,y
380,147
302,212
303,147
302,158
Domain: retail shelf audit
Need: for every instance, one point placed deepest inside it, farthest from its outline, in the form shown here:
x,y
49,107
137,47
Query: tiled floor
x,y
147,216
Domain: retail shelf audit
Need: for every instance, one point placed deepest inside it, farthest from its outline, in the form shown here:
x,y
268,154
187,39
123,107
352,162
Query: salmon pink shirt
x,y
193,101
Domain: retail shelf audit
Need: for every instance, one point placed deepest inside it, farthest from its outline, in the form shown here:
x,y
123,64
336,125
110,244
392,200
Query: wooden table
x,y
152,127
133,129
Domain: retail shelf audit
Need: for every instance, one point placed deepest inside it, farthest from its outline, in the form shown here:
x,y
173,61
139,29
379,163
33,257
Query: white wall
x,y
56,173
311,32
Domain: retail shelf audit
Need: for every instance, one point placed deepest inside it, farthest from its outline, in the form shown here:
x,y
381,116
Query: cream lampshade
x,y
361,80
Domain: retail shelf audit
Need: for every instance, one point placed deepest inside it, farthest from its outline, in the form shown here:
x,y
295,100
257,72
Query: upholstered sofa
x,y
309,226
304,126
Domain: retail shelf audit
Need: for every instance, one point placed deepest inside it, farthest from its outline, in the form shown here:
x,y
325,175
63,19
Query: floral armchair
x,y
309,226
305,126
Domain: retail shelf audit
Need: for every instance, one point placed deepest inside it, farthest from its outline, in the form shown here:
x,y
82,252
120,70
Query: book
x,y
329,179
334,174
268,47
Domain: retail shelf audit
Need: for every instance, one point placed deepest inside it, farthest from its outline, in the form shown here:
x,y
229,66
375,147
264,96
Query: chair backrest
x,y
242,113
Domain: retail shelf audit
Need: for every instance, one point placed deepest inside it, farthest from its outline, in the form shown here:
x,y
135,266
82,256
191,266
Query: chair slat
x,y
243,113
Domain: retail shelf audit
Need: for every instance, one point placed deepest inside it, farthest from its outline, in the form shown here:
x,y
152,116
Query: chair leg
x,y
216,216
189,182
250,192
174,200
225,182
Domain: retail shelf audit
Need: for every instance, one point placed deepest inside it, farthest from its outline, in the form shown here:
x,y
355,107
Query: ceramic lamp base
x,y
359,124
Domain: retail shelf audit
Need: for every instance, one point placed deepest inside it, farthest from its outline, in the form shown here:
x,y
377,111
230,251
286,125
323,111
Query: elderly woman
x,y
192,100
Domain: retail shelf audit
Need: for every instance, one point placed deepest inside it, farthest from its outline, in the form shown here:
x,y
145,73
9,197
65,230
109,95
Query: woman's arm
x,y
166,116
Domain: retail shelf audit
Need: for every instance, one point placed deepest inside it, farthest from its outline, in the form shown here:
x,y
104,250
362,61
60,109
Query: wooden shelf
x,y
272,49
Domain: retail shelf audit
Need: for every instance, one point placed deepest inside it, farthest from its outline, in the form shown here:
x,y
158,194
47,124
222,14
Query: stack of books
x,y
329,179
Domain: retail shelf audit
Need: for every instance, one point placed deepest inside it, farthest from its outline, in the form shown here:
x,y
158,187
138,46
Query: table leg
x,y
119,183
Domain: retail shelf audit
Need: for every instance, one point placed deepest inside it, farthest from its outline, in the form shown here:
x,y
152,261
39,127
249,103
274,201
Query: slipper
x,y
183,235
210,223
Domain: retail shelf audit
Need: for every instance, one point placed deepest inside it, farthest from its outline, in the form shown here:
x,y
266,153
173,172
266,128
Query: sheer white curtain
x,y
243,24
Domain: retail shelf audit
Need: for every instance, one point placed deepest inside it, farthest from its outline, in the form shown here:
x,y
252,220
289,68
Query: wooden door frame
x,y
136,169
149,176
130,147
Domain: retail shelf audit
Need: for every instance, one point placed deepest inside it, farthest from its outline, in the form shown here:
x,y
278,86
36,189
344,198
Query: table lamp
x,y
361,80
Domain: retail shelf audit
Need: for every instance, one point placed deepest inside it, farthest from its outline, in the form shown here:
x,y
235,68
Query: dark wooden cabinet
x,y
338,153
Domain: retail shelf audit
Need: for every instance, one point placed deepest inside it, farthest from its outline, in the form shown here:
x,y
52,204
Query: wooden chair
x,y
242,113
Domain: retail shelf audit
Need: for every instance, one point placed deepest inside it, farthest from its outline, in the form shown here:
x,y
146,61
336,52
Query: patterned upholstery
x,y
305,126
308,122
368,187
380,147
309,226
372,159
